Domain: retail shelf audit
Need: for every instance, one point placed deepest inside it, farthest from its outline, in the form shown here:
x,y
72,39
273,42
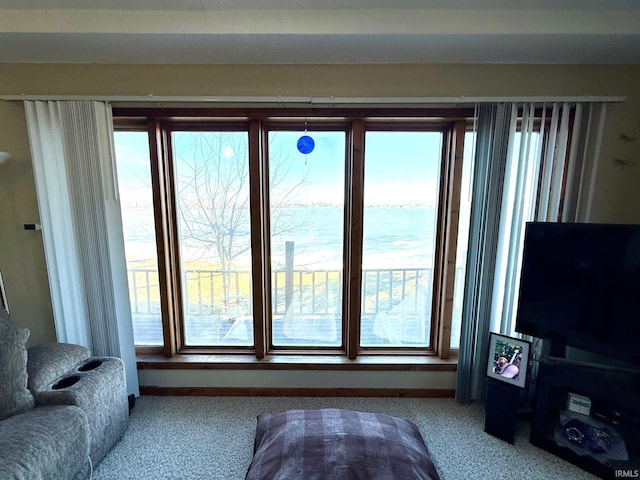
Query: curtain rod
x,y
306,101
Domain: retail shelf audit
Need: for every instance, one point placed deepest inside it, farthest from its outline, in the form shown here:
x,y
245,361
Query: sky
x,y
400,168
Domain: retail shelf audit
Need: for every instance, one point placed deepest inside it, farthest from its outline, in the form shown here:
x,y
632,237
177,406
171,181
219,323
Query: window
x,y
306,211
402,177
136,200
463,237
211,175
238,242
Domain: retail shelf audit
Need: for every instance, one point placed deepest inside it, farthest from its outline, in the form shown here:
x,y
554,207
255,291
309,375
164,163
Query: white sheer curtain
x,y
72,149
536,184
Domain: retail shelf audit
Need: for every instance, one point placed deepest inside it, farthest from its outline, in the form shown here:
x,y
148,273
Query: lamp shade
x,y
4,156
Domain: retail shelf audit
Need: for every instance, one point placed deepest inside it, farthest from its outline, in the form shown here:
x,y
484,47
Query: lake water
x,y
393,237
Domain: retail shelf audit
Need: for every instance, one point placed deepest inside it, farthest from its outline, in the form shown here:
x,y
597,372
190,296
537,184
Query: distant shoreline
x,y
407,232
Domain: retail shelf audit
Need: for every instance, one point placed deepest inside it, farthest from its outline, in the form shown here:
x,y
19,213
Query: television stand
x,y
501,410
596,366
615,402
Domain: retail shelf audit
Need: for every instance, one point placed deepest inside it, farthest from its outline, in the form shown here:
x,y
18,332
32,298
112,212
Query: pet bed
x,y
338,444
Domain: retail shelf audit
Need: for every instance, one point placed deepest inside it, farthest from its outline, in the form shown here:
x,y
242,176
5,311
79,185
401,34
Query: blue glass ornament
x,y
306,144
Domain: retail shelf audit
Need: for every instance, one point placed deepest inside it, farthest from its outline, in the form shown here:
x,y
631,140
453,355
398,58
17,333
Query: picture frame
x,y
3,295
508,359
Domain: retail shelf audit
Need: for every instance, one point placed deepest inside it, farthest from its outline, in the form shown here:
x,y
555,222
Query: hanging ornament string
x,y
305,144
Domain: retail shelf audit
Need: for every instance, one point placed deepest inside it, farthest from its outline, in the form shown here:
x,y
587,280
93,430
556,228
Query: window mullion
x,y
352,277
450,207
259,181
166,236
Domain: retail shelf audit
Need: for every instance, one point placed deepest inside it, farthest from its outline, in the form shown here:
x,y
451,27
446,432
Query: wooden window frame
x,y
159,123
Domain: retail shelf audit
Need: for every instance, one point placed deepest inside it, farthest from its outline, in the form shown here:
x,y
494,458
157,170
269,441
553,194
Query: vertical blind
x,y
532,162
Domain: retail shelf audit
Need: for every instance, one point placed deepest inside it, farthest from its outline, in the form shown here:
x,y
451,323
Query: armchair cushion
x,y
14,395
50,361
45,443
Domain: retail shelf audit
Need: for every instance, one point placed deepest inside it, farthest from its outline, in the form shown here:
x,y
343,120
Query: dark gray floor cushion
x,y
338,444
45,442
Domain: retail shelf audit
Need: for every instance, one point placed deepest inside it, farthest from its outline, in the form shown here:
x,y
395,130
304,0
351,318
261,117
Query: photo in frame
x,y
508,359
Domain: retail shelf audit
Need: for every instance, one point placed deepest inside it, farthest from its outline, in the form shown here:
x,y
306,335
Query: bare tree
x,y
213,196
212,180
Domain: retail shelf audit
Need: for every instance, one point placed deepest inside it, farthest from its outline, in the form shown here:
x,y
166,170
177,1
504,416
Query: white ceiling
x,y
321,31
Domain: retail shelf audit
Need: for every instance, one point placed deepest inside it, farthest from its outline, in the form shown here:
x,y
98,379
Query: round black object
x,y
91,365
65,382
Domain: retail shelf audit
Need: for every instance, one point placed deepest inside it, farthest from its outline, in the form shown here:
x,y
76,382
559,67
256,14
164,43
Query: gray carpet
x,y
194,438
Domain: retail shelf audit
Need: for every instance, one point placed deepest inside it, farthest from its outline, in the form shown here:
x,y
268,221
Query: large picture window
x,y
237,241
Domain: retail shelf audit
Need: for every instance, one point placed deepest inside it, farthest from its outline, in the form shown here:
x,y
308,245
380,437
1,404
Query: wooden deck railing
x,y
313,292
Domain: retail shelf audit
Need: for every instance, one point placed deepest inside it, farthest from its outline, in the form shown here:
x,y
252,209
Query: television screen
x,y
580,287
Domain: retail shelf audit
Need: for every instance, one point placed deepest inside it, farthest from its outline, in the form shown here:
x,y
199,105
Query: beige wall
x,y
302,379
21,253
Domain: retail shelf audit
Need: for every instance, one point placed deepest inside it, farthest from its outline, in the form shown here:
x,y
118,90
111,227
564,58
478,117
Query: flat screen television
x,y
580,287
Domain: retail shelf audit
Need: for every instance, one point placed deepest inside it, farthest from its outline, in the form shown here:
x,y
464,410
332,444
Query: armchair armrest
x,y
46,363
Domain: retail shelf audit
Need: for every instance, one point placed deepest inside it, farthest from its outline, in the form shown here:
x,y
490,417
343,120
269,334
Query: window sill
x,y
296,362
